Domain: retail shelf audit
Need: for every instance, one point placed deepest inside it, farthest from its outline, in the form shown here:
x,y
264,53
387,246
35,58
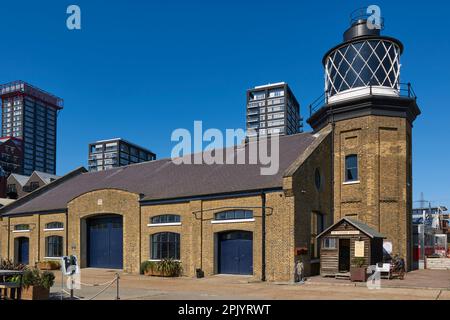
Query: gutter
x,y
211,197
263,237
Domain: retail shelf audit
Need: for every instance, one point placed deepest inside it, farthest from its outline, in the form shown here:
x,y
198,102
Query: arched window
x,y
351,168
234,215
165,245
54,225
22,227
54,246
317,178
165,218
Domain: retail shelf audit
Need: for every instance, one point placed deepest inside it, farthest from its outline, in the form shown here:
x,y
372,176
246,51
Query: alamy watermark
x,y
73,21
374,21
245,147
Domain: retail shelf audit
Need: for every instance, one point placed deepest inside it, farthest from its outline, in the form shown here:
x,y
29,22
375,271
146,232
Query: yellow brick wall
x,y
308,200
36,234
106,202
199,235
382,199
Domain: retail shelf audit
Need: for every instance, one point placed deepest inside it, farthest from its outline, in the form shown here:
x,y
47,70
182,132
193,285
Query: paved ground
x,y
423,284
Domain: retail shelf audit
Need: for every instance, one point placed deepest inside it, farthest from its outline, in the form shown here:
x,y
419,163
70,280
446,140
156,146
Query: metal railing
x,y
405,90
106,286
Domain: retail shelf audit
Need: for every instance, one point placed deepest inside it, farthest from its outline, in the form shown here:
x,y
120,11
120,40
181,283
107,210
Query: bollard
x,y
117,286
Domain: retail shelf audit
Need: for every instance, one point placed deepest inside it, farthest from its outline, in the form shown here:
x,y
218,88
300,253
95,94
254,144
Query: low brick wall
x,y
437,263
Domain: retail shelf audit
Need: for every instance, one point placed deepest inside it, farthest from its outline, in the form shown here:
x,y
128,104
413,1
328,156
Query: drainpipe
x,y
333,127
66,226
9,238
263,237
201,235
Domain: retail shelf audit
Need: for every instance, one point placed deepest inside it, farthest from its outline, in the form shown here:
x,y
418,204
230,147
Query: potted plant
x,y
36,284
148,268
169,268
357,271
163,268
48,265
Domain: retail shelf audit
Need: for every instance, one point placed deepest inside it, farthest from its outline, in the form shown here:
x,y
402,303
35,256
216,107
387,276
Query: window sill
x,y
21,231
164,224
158,260
56,229
351,182
52,258
232,221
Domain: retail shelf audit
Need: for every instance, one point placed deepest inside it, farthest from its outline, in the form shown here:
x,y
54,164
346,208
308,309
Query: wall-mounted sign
x,y
344,233
359,249
387,246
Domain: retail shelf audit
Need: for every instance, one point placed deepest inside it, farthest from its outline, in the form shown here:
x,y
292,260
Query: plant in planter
x,y
37,284
6,264
148,268
48,265
357,271
169,268
163,268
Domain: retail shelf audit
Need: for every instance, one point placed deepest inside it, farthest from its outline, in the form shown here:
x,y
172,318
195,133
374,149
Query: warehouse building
x,y
218,218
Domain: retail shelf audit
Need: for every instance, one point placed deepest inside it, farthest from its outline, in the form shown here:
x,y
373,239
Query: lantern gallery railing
x,y
404,90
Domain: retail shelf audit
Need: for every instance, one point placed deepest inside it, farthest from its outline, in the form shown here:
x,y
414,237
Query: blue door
x,y
105,242
22,250
235,252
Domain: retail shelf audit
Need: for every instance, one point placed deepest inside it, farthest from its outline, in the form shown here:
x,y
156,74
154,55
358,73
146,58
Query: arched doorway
x,y
235,252
105,242
22,250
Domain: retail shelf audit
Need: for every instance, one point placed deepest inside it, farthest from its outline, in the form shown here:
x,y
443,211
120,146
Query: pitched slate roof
x,y
163,179
46,177
361,226
21,179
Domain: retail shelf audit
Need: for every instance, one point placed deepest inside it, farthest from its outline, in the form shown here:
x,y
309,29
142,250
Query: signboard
x,y
387,246
344,233
359,249
70,265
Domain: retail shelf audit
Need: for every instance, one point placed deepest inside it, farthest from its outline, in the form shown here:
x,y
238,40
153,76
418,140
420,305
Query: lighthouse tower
x,y
372,114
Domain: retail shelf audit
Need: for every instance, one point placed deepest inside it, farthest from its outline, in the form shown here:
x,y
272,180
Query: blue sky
x,y
140,69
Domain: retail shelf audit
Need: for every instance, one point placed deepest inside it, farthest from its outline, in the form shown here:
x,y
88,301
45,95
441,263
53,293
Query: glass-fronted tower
x,y
112,153
273,109
30,114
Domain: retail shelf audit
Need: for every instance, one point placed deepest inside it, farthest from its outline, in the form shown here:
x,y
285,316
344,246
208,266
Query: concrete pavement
x,y
420,286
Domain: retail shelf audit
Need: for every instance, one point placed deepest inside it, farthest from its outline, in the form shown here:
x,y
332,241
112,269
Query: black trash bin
x,y
200,273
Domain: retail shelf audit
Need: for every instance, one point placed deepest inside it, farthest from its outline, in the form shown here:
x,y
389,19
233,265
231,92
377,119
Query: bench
x,y
9,290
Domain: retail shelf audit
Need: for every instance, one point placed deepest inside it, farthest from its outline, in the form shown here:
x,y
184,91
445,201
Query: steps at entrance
x,y
342,275
438,263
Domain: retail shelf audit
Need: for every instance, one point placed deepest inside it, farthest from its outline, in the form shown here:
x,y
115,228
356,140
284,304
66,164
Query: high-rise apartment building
x,y
30,114
273,109
108,154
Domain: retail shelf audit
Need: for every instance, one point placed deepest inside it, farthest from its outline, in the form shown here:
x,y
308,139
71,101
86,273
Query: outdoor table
x,y
9,273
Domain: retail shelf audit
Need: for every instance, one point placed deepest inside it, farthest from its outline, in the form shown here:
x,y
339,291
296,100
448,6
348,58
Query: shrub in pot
x,y
148,268
169,268
7,264
36,284
163,268
48,265
357,271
